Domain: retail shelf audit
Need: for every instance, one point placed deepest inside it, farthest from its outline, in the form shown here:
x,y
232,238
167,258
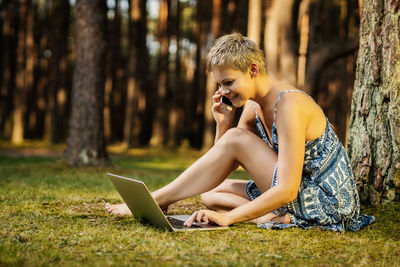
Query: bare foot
x,y
118,210
282,218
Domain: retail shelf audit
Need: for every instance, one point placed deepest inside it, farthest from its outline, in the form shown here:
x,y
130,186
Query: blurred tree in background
x,y
155,87
85,142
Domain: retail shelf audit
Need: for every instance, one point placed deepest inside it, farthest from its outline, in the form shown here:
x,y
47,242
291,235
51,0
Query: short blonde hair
x,y
236,51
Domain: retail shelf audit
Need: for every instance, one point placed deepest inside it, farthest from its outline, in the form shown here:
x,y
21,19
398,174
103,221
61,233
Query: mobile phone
x,y
226,101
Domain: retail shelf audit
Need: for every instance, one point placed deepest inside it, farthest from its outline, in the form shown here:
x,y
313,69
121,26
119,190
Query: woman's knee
x,y
234,136
207,199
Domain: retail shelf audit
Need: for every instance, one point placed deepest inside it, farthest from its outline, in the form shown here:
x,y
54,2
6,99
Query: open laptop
x,y
143,206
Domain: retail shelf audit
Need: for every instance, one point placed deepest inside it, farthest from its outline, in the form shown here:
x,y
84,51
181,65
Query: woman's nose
x,y
224,91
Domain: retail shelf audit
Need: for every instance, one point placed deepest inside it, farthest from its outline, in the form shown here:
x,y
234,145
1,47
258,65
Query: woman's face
x,y
234,84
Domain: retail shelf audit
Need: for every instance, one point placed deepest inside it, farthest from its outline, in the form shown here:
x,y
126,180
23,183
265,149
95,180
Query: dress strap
x,y
255,109
260,127
279,98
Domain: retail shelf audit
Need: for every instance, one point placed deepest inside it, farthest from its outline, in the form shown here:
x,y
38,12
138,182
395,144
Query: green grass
x,y
52,214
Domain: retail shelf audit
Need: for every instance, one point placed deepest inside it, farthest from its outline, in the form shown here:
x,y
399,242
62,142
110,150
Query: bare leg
x,y
236,145
227,196
232,194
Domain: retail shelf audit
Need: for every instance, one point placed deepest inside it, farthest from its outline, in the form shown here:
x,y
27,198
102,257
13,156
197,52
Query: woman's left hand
x,y
208,216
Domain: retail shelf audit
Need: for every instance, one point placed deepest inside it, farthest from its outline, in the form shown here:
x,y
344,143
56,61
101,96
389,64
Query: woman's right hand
x,y
223,114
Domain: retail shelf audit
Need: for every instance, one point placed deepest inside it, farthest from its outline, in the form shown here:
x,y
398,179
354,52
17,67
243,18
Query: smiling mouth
x,y
233,98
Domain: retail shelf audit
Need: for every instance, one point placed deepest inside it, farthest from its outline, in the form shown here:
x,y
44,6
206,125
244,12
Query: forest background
x,y
89,73
156,91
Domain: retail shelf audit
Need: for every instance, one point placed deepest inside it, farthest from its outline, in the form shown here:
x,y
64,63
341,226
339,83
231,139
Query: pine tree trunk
x,y
176,115
195,106
20,90
147,91
136,99
57,45
132,80
31,58
254,21
8,81
209,124
113,60
160,125
279,41
374,137
85,143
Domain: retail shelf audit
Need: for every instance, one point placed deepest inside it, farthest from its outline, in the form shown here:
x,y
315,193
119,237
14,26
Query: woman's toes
x,y
121,209
283,219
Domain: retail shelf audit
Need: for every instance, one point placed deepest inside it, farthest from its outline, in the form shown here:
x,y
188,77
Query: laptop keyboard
x,y
178,224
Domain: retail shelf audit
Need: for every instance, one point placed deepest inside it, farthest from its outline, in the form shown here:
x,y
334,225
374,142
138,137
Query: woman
x,y
303,179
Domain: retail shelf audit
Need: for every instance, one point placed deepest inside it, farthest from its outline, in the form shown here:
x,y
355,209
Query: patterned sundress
x,y
328,196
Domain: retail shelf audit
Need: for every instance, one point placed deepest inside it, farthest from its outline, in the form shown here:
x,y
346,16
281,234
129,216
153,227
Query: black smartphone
x,y
226,100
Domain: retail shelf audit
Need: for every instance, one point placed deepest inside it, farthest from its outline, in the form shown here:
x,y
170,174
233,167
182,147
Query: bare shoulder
x,y
299,109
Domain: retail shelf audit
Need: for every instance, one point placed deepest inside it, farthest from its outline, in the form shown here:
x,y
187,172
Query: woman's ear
x,y
254,71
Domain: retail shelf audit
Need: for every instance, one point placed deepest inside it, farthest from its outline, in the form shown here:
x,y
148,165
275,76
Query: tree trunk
x,y
146,97
113,66
31,58
85,143
20,90
160,125
176,115
132,83
254,21
280,42
303,28
136,101
7,85
374,137
57,52
209,129
195,106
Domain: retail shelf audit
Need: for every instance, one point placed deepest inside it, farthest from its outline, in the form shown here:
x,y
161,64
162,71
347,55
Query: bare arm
x,y
291,127
247,118
246,121
224,117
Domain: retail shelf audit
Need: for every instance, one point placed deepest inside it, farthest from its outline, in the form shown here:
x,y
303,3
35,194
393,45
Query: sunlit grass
x,y
52,214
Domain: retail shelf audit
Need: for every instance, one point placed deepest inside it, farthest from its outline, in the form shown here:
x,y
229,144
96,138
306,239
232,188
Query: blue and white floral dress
x,y
328,196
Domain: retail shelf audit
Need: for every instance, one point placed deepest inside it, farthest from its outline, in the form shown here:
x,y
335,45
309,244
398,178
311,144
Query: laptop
x,y
143,206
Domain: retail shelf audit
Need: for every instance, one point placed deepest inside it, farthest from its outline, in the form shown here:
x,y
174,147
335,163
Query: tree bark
x,y
146,98
136,98
7,84
112,68
176,114
280,41
324,54
57,52
209,129
132,82
20,90
303,28
160,125
195,106
374,138
31,51
254,21
85,143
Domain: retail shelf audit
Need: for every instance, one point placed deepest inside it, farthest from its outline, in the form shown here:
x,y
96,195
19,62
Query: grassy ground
x,y
52,214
